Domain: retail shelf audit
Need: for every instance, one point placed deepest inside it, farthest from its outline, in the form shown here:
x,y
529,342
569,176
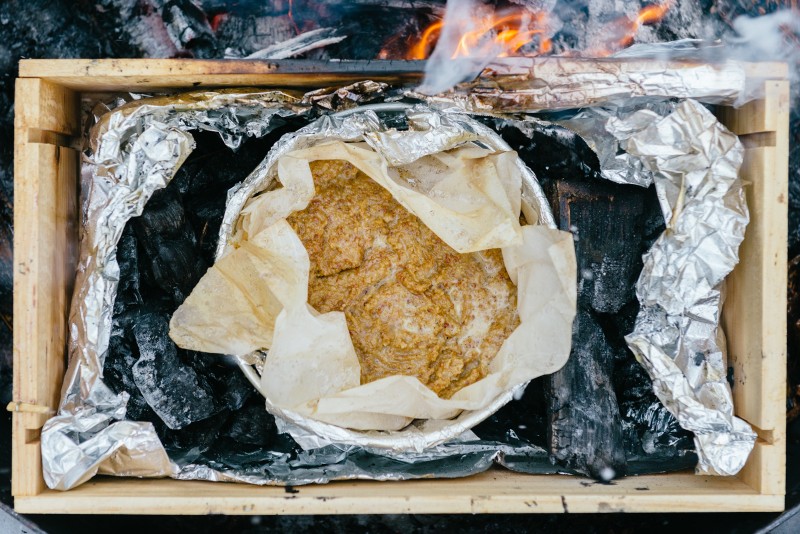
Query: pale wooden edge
x,y
495,491
154,74
757,287
45,182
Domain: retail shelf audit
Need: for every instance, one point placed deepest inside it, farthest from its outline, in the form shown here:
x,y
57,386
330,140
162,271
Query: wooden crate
x,y
47,130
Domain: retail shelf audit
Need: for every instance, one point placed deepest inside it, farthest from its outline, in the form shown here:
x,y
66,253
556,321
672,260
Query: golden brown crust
x,y
414,306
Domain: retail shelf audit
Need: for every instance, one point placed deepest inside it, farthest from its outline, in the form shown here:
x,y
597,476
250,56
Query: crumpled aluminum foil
x,y
694,162
137,149
140,147
511,85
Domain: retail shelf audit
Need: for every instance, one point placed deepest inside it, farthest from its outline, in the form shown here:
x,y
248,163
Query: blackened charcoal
x,y
189,443
213,167
252,425
204,179
654,223
206,215
128,291
170,387
607,222
585,428
652,432
169,245
550,151
632,383
524,419
118,368
231,388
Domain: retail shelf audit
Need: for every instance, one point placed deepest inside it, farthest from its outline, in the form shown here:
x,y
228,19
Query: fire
x,y
520,32
499,34
647,15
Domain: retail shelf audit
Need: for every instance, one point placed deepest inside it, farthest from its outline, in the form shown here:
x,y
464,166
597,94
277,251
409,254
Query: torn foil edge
x,y
694,162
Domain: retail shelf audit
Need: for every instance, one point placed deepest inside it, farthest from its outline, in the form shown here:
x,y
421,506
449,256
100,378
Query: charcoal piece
x,y
231,388
190,442
252,425
118,367
523,420
169,245
585,431
204,179
170,387
550,151
652,432
607,221
128,291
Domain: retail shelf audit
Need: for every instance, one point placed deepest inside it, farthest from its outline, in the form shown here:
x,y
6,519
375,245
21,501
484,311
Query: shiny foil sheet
x,y
137,148
518,84
694,163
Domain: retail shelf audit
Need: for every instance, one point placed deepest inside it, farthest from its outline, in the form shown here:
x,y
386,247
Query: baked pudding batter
x,y
414,306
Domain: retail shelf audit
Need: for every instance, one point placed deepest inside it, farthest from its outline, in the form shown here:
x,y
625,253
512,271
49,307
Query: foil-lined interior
x,y
138,147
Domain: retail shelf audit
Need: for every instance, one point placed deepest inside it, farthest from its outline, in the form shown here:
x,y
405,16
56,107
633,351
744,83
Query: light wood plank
x,y
152,74
495,491
754,316
45,237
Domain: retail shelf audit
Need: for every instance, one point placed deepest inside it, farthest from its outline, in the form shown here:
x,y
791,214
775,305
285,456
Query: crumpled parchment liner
x,y
539,259
694,162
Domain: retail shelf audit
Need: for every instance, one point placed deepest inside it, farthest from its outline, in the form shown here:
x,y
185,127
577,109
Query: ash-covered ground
x,y
217,29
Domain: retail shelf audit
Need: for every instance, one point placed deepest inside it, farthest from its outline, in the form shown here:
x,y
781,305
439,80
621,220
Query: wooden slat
x,y
765,470
496,491
763,115
754,316
45,237
152,74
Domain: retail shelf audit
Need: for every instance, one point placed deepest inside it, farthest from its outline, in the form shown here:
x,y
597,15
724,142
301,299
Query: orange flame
x,y
502,33
647,15
507,33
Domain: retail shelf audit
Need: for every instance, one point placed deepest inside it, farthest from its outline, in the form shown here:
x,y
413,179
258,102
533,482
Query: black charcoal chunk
x,y
169,245
585,428
128,291
170,387
189,443
549,150
607,221
231,388
252,425
118,367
